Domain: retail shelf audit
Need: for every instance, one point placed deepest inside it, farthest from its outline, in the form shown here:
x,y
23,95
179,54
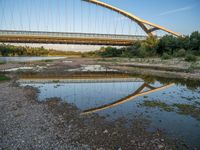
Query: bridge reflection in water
x,y
83,88
132,96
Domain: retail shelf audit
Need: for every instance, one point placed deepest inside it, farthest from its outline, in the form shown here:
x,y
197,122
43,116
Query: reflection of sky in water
x,y
27,59
89,95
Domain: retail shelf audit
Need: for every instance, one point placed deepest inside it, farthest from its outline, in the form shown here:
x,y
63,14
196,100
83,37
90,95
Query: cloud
x,y
176,10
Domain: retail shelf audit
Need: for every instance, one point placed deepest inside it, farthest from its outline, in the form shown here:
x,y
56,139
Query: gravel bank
x,y
26,124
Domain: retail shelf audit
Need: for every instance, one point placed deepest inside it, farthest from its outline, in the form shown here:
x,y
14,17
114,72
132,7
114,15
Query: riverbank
x,y
172,68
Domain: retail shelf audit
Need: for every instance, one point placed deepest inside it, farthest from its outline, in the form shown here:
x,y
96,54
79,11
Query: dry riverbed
x,y
172,68
26,123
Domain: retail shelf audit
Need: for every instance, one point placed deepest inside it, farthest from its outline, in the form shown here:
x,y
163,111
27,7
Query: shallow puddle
x,y
171,107
27,59
36,68
93,68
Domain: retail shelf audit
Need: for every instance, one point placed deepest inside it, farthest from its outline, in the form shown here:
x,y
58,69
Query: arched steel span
x,y
141,22
127,98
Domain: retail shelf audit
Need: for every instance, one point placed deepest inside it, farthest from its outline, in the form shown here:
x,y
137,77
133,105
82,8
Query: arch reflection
x,y
130,97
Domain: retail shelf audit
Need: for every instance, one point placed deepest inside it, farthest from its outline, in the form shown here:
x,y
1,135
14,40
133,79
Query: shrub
x,y
4,78
190,58
111,52
1,62
181,53
166,56
142,52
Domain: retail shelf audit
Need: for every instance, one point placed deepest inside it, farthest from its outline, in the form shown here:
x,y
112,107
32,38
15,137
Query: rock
x,y
143,144
160,146
105,131
133,141
95,132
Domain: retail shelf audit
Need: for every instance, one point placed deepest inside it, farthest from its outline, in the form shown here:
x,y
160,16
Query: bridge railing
x,y
71,35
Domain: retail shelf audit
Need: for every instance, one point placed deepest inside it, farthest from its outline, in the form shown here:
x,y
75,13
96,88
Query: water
x,y
99,97
26,59
92,68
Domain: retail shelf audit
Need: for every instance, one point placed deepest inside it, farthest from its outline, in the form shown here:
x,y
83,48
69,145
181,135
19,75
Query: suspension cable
x,y
102,23
58,23
51,15
122,24
109,24
129,27
37,18
95,25
30,15
81,16
11,17
89,18
48,14
66,15
20,16
3,16
73,15
115,25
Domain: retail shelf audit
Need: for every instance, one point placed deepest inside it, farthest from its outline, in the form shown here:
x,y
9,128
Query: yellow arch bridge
x,y
16,36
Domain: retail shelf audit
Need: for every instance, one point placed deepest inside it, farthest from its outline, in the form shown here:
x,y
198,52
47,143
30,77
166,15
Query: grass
x,y
190,58
4,78
194,66
1,62
186,109
47,60
55,81
182,109
159,104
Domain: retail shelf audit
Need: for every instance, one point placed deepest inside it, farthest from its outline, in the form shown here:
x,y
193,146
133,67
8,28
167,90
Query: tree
x,y
167,44
195,41
151,44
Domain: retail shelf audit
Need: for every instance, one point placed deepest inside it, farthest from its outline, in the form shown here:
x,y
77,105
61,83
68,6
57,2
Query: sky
x,y
182,16
77,16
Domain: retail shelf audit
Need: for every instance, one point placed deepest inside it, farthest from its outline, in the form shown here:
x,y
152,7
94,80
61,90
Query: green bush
x,y
166,56
190,58
181,53
142,52
4,78
111,52
1,62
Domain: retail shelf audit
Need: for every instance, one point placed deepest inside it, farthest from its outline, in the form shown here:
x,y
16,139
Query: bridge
x,y
39,36
67,38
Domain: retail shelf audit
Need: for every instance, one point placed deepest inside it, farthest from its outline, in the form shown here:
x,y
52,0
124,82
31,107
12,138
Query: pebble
x,y
105,131
160,146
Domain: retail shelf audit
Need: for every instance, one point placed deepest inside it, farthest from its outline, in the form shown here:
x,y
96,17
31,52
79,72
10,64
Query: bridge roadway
x,y
12,36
